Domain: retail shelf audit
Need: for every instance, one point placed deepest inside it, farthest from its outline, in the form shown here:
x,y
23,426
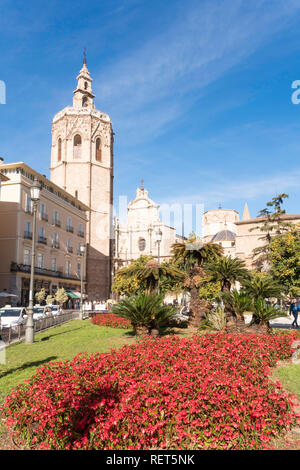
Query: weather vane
x,y
142,184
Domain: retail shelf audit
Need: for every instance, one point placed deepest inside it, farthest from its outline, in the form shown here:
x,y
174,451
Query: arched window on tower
x,y
85,101
98,150
59,149
77,146
85,85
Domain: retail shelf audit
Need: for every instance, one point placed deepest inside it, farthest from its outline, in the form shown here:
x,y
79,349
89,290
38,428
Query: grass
x,y
57,344
289,376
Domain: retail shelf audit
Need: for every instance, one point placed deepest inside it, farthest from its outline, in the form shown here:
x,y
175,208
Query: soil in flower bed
x,y
208,392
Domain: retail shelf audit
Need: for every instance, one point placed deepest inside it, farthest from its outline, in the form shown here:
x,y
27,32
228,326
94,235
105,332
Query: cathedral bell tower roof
x,y
83,95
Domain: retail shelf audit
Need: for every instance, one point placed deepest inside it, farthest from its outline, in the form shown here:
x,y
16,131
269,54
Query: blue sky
x,y
199,92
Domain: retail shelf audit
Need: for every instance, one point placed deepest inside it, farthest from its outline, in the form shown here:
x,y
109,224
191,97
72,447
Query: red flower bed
x,y
109,319
208,392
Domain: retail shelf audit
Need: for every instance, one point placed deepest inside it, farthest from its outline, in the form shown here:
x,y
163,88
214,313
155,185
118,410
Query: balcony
x,y
80,234
44,217
28,235
55,245
42,240
70,229
28,210
57,223
25,268
69,249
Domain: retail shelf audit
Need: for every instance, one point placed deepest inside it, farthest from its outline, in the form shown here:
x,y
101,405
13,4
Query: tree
x,y
238,303
227,271
191,256
151,273
273,225
284,253
40,296
61,296
264,312
126,282
262,285
49,299
144,311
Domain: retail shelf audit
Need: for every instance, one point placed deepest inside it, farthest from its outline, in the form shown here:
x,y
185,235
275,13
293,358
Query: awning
x,y
73,294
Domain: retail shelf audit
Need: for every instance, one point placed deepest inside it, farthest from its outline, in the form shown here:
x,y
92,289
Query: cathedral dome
x,y
224,236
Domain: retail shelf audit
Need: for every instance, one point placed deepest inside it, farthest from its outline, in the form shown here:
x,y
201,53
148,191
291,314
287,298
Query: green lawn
x,y
56,344
289,376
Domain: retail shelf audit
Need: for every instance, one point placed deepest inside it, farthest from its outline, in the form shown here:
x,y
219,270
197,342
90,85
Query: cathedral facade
x,y
143,233
82,164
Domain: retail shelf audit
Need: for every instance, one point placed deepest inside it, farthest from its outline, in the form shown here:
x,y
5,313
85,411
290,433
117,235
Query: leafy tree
x,y
40,296
262,285
285,255
61,296
144,311
127,283
227,271
49,299
273,225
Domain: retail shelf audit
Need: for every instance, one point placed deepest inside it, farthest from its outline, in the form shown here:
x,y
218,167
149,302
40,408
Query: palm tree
x,y
262,286
238,302
264,312
144,311
151,272
227,271
194,253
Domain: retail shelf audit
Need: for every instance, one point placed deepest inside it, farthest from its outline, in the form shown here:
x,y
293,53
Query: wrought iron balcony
x,y
80,234
25,268
28,235
28,210
57,223
55,244
69,249
44,216
42,240
70,229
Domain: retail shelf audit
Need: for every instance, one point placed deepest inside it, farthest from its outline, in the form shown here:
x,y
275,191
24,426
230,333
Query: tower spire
x,y
83,95
246,214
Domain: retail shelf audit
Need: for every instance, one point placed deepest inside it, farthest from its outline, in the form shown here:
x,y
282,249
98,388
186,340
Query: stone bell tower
x,y
82,164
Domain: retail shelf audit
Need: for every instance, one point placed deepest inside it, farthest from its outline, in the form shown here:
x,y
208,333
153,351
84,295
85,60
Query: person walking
x,y
294,310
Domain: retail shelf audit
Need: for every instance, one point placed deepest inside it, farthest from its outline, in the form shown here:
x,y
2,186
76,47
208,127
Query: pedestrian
x,y
294,309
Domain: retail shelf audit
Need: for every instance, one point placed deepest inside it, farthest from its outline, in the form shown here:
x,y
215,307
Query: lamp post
x,y
158,241
82,251
35,197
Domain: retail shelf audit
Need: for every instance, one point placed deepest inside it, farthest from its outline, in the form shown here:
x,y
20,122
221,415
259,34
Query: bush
x,y
214,320
207,392
144,311
108,319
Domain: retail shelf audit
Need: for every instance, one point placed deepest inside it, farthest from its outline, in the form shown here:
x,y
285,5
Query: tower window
x,y
98,150
84,101
77,146
59,149
85,85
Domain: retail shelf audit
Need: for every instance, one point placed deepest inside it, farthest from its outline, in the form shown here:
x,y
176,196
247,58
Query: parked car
x,y
55,309
12,316
41,311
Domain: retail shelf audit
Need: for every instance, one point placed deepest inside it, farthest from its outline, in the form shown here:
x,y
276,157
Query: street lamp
x,y
82,251
158,241
35,197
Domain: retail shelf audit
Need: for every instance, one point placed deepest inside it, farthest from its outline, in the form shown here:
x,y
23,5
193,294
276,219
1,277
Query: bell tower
x,y
82,164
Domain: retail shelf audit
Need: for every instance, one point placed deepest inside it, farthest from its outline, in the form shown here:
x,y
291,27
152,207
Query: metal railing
x,y
17,333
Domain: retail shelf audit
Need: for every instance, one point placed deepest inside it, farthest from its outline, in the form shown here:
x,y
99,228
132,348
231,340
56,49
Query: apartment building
x,y
61,229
